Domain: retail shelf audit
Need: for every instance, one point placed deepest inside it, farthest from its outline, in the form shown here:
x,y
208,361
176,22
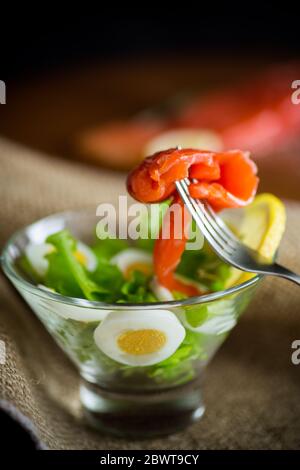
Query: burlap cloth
x,y
251,388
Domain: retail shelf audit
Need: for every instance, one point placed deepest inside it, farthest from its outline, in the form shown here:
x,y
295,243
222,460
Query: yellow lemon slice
x,y
261,229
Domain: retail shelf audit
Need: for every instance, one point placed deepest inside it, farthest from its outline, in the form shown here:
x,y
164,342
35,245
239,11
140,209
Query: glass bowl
x,y
120,399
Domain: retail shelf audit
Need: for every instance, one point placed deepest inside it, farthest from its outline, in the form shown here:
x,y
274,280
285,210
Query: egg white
x,y
116,323
165,295
161,293
126,258
36,255
89,255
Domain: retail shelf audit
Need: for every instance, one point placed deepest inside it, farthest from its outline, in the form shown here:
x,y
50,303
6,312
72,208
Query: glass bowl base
x,y
141,415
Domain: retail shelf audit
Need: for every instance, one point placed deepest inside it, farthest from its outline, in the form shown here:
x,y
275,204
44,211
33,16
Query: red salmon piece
x,y
224,179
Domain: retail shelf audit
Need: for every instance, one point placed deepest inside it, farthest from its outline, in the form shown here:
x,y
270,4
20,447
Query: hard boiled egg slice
x,y
161,293
139,337
133,259
35,253
86,256
165,295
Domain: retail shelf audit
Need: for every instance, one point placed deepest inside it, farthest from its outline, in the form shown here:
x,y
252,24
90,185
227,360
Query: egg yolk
x,y
142,267
138,342
80,257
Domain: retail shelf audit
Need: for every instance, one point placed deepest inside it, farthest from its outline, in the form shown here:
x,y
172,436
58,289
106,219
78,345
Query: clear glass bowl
x,y
128,401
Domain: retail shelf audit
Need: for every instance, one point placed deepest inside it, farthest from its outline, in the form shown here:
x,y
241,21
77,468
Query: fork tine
x,y
208,231
239,255
215,226
217,223
201,214
190,206
221,223
209,220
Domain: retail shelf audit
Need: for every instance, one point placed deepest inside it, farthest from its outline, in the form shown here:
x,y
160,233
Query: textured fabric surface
x,y
251,389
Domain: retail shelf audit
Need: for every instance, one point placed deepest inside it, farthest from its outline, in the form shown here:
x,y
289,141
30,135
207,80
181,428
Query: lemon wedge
x,y
261,229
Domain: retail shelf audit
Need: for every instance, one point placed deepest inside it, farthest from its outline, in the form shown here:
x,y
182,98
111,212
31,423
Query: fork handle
x,y
281,271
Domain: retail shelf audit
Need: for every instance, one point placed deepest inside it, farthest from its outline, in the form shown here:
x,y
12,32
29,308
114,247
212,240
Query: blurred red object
x,y
119,143
258,116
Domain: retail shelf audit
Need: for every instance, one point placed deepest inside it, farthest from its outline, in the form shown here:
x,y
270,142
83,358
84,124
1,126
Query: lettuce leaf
x,y
196,314
108,247
152,226
110,278
66,274
205,267
69,277
179,366
136,289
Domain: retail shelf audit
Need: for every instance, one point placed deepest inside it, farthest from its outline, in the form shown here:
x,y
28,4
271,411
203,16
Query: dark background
x,y
34,42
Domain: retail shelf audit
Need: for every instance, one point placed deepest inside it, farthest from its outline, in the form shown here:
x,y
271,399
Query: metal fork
x,y
225,243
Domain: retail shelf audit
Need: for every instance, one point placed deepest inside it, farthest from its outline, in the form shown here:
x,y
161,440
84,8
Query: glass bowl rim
x,y
22,283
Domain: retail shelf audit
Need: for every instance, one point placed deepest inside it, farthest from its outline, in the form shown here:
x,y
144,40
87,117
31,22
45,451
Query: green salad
x,y
162,344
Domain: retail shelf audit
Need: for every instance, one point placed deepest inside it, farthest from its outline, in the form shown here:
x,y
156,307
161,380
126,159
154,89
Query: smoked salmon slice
x,y
224,179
